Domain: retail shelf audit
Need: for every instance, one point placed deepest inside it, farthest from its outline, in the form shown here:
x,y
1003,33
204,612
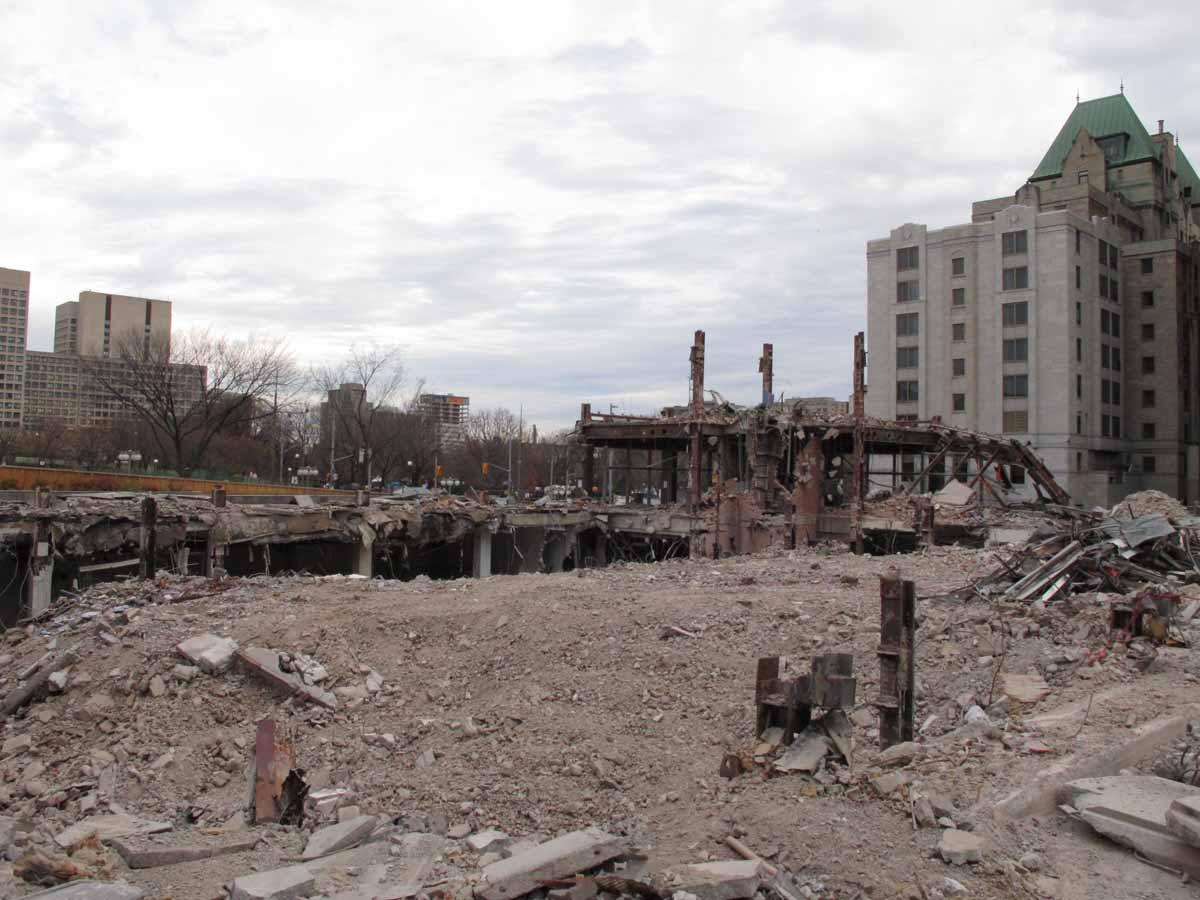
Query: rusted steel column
x,y
149,544
274,758
589,452
897,661
697,358
858,479
218,496
766,365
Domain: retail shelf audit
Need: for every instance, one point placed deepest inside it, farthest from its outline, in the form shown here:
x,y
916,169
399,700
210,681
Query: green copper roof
x,y
1102,118
1187,175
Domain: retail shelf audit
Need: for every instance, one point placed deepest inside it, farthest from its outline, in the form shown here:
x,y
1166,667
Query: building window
x,y
908,291
1105,391
1104,319
906,357
1116,359
1016,420
1149,465
1104,286
1147,365
1078,349
1014,242
1116,324
1078,240
906,392
1016,385
1116,392
1078,313
959,331
1148,265
1015,314
1147,298
1016,349
958,266
907,258
906,418
1149,431
908,325
1103,247
1114,292
1016,278
1105,425
1148,399
1113,259
1016,474
1079,387
958,297
1147,331
1105,358
1081,177
1116,426
959,402
960,366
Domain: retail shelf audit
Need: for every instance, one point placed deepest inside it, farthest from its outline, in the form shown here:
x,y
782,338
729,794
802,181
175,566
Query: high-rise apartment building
x,y
1067,315
451,412
96,324
14,327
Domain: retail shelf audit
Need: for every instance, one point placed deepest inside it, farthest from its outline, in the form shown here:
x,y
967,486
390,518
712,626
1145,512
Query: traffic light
x,y
485,468
439,472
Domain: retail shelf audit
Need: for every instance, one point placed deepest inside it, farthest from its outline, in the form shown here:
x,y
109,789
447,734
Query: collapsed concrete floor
x,y
541,704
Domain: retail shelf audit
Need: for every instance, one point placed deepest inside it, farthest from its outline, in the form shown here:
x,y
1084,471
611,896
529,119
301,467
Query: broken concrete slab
x,y
212,653
725,880
341,836
559,858
1183,819
108,827
290,883
1024,688
900,754
417,852
1131,810
809,748
265,664
841,732
492,839
91,890
960,847
143,854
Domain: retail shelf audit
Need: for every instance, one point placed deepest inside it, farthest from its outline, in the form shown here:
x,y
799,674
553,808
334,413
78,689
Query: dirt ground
x,y
555,702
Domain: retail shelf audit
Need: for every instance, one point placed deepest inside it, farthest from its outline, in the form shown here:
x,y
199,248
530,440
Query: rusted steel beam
x,y
858,461
766,365
897,661
149,539
274,759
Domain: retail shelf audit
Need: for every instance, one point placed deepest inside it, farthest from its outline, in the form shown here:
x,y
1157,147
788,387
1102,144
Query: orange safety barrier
x,y
26,478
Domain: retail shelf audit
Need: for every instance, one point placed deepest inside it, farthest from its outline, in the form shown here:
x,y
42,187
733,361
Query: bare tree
x,y
488,437
361,392
192,386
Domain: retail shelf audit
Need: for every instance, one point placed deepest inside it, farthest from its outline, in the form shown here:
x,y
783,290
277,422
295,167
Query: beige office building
x,y
96,323
1066,315
14,326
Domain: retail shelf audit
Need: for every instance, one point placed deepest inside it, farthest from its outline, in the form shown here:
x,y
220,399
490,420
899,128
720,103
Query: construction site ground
x,y
540,704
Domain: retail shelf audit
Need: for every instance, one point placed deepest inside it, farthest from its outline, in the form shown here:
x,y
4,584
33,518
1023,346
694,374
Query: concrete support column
x,y
149,542
41,565
364,559
481,557
182,556
214,556
555,550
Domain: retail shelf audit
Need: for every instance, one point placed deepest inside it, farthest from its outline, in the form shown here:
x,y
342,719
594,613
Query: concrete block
x,y
341,836
213,654
265,664
91,890
559,858
146,855
290,883
106,828
727,880
900,754
1131,810
487,840
805,755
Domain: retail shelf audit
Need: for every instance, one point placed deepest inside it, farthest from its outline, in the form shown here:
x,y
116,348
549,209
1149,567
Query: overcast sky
x,y
539,201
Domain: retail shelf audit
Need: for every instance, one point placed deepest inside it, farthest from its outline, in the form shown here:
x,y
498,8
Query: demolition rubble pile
x,y
557,737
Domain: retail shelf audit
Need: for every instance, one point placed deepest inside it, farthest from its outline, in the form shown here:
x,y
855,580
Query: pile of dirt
x,y
541,704
1145,502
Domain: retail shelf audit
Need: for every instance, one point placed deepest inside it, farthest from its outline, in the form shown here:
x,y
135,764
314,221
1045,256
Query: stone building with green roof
x,y
1066,315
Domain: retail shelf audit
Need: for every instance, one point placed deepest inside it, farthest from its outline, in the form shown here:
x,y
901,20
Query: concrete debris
x,y
265,664
212,654
341,836
492,839
1132,810
1183,819
148,855
960,847
727,880
91,890
291,883
107,827
899,754
1024,688
564,856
